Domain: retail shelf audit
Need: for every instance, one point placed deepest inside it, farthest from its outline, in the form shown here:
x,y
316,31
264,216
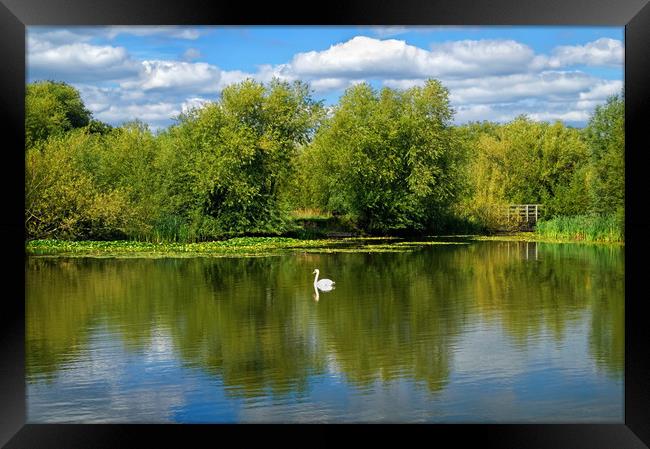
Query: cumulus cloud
x,y
568,112
148,112
363,56
322,85
177,75
494,89
116,105
474,113
79,61
488,79
404,84
566,96
193,103
57,36
602,90
484,56
569,116
266,72
601,52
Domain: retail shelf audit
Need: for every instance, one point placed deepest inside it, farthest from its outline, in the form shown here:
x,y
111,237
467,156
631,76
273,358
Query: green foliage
x,y
126,161
606,137
225,164
529,162
62,200
52,108
590,228
386,162
387,159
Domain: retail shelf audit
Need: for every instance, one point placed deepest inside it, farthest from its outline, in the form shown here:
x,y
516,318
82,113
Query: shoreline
x,y
270,246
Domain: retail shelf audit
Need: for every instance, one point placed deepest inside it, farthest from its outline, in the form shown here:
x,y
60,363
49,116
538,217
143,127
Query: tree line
x,y
389,161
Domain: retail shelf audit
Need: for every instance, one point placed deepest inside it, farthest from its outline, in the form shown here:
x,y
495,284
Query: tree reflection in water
x,y
253,322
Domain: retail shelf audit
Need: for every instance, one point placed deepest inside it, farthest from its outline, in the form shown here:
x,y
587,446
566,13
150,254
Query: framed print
x,y
361,214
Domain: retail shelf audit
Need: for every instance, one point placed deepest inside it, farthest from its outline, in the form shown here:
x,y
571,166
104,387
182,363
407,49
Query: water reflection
x,y
258,328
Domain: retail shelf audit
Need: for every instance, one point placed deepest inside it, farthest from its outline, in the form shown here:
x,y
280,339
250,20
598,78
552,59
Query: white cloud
x,y
329,84
504,112
117,105
602,90
182,76
404,84
389,30
148,112
58,36
566,96
191,54
267,72
569,116
79,61
487,79
588,100
473,113
551,85
193,103
232,77
601,52
485,56
176,32
364,57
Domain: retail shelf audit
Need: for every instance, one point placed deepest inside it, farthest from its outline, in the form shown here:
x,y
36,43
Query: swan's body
x,y
323,284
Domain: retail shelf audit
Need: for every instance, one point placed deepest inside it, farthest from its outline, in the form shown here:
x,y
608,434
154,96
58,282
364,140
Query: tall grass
x,y
589,228
310,213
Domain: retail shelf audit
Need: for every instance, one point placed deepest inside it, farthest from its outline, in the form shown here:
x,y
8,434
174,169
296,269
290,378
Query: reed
x,y
589,228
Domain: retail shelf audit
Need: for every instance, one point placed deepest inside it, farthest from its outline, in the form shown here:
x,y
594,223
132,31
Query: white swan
x,y
324,284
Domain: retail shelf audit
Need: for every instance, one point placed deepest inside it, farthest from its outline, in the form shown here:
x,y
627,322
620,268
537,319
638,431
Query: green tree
x,y
52,108
126,160
388,159
62,198
530,162
605,135
227,163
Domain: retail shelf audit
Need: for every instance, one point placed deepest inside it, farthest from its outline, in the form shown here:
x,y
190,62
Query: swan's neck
x,y
316,278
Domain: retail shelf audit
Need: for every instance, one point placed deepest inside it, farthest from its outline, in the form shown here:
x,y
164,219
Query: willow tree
x,y
531,162
387,159
52,108
226,163
63,199
605,134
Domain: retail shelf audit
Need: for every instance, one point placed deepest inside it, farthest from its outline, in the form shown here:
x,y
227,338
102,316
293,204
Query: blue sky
x,y
492,73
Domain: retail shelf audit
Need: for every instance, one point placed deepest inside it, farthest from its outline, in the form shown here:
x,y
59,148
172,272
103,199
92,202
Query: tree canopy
x,y
389,158
388,161
52,108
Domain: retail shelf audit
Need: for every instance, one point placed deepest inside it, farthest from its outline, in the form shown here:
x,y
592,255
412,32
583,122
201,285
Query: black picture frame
x,y
15,15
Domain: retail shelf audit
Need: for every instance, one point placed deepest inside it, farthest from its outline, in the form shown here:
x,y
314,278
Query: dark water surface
x,y
481,332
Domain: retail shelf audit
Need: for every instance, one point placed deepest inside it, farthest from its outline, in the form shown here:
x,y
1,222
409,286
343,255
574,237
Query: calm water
x,y
482,332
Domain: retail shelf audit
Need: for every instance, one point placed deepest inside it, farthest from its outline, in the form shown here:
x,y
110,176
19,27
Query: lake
x,y
488,332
